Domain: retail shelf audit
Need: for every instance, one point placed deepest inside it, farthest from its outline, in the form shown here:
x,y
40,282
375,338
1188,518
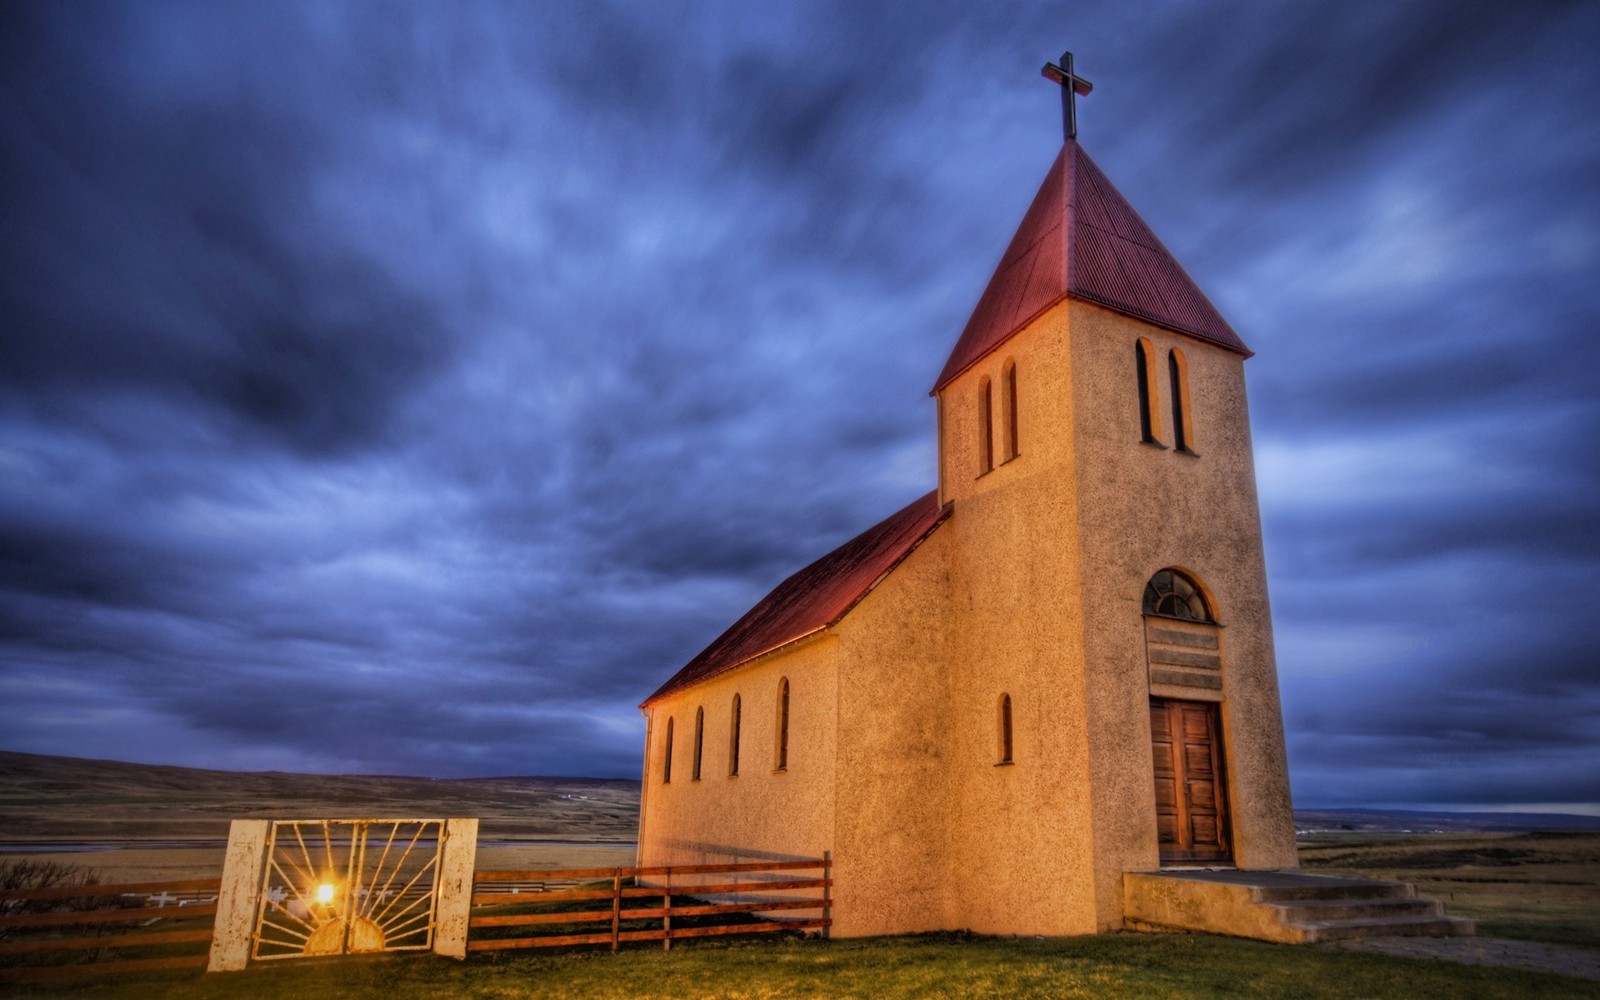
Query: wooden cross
x,y
1071,86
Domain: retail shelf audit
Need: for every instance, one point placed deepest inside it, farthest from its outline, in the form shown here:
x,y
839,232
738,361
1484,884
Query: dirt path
x,y
1530,956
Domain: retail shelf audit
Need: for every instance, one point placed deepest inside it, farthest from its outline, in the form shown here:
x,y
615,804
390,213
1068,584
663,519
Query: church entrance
x,y
1191,803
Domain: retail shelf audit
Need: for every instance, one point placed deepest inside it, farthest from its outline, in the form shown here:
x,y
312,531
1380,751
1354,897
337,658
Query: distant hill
x,y
1412,821
70,799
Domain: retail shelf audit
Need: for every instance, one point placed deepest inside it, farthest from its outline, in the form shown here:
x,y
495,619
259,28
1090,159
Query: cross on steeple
x,y
1071,86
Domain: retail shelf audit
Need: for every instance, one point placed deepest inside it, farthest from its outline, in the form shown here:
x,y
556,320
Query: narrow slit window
x,y
699,739
783,724
1178,373
733,740
985,427
666,757
1149,421
1005,729
1012,447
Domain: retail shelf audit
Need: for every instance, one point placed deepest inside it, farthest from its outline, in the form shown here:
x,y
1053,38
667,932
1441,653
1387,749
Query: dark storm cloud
x,y
413,388
162,244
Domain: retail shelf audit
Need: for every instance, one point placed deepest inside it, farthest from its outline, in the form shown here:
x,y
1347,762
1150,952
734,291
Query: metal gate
x,y
345,886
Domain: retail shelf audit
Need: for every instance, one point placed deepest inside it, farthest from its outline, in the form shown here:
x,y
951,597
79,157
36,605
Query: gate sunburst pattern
x,y
344,886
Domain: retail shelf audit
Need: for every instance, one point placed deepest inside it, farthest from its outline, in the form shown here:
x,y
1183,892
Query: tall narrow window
x,y
699,739
783,724
1012,450
733,740
985,427
666,757
1005,729
1149,420
1178,373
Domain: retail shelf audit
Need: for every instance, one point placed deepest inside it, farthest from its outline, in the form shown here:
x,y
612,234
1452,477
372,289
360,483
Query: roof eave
x,y
818,632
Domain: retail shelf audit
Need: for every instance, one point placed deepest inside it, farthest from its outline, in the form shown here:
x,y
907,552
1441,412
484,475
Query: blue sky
x,y
411,388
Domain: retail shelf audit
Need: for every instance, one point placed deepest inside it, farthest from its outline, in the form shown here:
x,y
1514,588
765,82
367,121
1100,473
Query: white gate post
x,y
457,860
241,892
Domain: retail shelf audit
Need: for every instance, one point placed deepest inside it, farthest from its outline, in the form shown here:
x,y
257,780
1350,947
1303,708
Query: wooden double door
x,y
1191,802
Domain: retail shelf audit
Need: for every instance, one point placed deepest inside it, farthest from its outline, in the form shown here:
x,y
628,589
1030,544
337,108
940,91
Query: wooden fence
x,y
663,903
73,930
85,930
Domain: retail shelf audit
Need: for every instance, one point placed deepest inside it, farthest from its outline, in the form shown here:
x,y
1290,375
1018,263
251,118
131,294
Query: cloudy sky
x,y
412,388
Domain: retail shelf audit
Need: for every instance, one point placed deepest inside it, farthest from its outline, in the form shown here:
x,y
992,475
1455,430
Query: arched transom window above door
x,y
1173,595
1183,642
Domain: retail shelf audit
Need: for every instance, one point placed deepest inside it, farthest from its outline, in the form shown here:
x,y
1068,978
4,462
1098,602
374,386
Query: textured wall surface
x,y
1019,833
1144,508
763,813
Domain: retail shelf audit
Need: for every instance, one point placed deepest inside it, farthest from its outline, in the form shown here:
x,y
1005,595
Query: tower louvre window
x,y
1149,418
985,427
1178,374
1009,389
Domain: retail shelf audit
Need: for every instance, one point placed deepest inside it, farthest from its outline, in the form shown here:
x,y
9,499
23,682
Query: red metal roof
x,y
817,596
1080,237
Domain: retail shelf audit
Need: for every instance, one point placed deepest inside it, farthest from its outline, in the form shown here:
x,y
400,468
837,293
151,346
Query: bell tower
x,y
1094,444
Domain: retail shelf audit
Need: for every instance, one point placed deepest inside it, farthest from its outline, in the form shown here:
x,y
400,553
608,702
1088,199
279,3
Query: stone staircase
x,y
1286,906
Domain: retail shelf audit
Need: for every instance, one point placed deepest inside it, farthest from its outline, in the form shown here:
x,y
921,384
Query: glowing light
x,y
325,893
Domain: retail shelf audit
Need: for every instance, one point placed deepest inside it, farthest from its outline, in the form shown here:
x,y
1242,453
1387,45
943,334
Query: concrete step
x,y
1352,908
1287,906
1326,887
1438,925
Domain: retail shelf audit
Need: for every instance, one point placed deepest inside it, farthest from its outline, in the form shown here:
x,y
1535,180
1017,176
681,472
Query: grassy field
x,y
1120,966
64,799
1533,886
1543,887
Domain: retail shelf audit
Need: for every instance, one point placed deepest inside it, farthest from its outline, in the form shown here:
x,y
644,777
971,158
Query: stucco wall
x,y
761,814
1020,834
1143,508
894,764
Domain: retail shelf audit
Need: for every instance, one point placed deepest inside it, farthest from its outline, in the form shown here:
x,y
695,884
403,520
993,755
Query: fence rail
x,y
750,903
68,931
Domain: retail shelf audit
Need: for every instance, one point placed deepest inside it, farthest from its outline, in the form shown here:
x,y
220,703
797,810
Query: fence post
x,y
827,894
666,913
239,896
457,858
616,907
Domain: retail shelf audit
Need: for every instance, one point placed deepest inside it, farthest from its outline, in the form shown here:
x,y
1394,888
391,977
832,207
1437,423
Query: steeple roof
x,y
1081,238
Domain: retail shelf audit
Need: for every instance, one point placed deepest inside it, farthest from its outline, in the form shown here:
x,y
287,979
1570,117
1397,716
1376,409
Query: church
x,y
1054,669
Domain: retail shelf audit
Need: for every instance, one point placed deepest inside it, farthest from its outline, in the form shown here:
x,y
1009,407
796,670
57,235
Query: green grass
x,y
932,966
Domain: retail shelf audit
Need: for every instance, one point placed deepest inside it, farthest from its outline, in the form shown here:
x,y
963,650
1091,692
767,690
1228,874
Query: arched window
x,y
1178,373
733,740
699,740
1149,419
1174,595
783,724
1005,729
1009,389
666,757
985,427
